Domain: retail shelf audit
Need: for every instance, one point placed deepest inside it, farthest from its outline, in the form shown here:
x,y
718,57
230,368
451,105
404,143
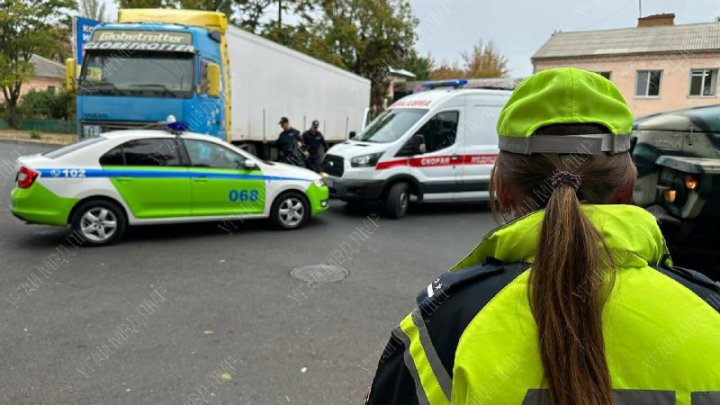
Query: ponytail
x,y
567,290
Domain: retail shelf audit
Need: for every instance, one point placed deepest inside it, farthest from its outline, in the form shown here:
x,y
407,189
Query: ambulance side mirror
x,y
70,70
414,146
213,80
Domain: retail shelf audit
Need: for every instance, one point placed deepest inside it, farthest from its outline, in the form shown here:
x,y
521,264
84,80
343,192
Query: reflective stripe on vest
x,y
432,381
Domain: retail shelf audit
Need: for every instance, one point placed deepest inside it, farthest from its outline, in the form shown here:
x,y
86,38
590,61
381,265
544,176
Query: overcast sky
x,y
519,27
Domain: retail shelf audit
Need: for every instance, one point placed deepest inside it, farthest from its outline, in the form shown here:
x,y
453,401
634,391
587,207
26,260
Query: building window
x,y
648,83
604,74
703,82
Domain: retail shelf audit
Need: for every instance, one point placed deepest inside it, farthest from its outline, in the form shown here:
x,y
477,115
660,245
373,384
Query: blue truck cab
x,y
135,74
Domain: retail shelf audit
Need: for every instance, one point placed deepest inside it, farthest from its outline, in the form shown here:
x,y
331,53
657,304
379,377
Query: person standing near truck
x,y
316,146
290,145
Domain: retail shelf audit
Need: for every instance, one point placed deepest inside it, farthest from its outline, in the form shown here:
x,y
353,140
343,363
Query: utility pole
x,y
640,7
279,15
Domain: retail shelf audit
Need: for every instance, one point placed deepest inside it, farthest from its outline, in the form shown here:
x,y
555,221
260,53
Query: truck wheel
x,y
290,210
99,222
397,200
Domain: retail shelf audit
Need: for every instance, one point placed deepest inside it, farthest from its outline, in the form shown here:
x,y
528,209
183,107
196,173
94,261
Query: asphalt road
x,y
209,314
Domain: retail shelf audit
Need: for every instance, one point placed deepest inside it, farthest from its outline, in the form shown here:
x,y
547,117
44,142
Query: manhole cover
x,y
319,273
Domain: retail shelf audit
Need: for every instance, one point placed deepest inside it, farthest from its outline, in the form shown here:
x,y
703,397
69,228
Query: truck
x,y
677,155
212,77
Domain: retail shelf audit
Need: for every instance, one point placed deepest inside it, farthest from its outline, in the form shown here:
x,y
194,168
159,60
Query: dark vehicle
x,y
678,159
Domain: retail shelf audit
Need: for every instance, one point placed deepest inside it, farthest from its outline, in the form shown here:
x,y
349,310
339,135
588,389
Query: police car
x,y
101,185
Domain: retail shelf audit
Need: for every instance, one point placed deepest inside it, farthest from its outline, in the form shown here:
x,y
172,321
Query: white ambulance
x,y
434,146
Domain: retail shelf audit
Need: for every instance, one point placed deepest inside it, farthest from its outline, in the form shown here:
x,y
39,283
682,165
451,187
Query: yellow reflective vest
x,y
472,339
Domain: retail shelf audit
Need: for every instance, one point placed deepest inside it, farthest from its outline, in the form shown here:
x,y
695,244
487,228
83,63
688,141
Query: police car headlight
x,y
365,160
319,182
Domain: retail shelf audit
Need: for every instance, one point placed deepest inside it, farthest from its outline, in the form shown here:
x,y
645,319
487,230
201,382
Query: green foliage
x,y
421,66
26,27
35,134
47,104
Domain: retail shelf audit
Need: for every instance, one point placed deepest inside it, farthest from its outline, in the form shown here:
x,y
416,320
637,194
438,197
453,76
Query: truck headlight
x,y
365,160
91,131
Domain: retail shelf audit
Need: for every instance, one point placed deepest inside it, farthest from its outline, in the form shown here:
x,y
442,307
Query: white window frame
x,y
713,82
647,84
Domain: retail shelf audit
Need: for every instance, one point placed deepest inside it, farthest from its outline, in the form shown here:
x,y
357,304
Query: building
x,y
48,75
658,66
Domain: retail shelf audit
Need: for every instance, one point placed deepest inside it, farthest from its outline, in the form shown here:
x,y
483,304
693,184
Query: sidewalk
x,y
44,137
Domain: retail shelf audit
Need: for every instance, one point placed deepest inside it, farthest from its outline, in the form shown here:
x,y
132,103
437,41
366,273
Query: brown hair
x,y
574,269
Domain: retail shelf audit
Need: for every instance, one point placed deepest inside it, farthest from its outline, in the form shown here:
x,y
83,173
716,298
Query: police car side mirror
x,y
250,165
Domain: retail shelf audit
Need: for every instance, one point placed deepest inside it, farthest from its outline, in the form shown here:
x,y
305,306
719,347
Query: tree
x,y
224,6
484,61
421,66
26,27
144,3
447,72
93,9
366,37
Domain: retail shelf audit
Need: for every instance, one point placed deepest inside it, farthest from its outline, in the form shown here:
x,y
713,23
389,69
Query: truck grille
x,y
333,165
107,126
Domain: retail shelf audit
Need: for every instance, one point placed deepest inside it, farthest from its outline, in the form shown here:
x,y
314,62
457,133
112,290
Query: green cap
x,y
565,96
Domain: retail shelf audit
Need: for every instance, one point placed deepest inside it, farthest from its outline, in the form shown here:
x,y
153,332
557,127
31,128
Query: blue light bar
x,y
450,83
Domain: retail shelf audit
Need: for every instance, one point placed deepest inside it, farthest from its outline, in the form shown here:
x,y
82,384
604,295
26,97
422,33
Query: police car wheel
x,y
290,211
99,222
397,200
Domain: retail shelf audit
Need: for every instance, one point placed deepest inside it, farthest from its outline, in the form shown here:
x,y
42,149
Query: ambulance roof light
x,y
457,83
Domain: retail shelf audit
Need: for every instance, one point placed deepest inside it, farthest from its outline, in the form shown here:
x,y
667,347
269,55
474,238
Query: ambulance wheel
x,y
290,210
99,222
397,200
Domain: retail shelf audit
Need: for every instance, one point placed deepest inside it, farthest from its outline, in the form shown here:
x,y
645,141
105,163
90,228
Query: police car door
x,y
479,148
438,168
221,184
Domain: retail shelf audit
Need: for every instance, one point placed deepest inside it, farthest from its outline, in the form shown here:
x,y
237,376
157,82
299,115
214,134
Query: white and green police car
x,y
101,185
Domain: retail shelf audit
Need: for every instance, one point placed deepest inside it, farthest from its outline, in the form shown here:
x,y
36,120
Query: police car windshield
x,y
156,74
391,125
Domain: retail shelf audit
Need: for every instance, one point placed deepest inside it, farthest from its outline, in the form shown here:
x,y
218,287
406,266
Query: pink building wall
x,y
42,83
674,85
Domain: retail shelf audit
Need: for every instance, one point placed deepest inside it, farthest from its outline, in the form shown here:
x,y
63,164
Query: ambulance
x,y
433,146
101,185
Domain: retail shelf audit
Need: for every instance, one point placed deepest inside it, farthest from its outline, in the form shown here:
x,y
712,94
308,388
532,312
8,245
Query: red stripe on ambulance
x,y
437,161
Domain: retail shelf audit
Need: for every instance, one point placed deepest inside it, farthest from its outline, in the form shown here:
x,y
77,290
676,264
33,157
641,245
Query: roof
x,y
687,38
431,98
47,68
403,73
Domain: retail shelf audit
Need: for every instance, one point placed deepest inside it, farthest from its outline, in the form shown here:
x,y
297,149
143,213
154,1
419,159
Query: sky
x,y
519,27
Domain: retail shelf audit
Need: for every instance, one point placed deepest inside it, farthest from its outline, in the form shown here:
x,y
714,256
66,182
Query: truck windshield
x,y
391,125
150,74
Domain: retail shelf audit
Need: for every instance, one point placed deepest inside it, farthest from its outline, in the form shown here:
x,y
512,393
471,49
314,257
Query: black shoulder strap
x,y
452,301
696,282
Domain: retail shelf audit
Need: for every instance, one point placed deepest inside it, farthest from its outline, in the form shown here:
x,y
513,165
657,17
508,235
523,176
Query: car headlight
x,y
319,182
365,160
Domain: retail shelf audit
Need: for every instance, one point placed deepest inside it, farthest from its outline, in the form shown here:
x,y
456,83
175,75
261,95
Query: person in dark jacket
x,y
316,146
290,145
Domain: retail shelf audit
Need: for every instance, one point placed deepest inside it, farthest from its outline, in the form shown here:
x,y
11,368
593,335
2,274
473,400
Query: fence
x,y
55,126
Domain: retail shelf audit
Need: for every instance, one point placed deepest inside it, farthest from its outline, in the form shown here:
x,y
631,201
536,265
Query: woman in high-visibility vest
x,y
575,301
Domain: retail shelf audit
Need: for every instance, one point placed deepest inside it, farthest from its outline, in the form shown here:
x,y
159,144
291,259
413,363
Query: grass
x,y
34,134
